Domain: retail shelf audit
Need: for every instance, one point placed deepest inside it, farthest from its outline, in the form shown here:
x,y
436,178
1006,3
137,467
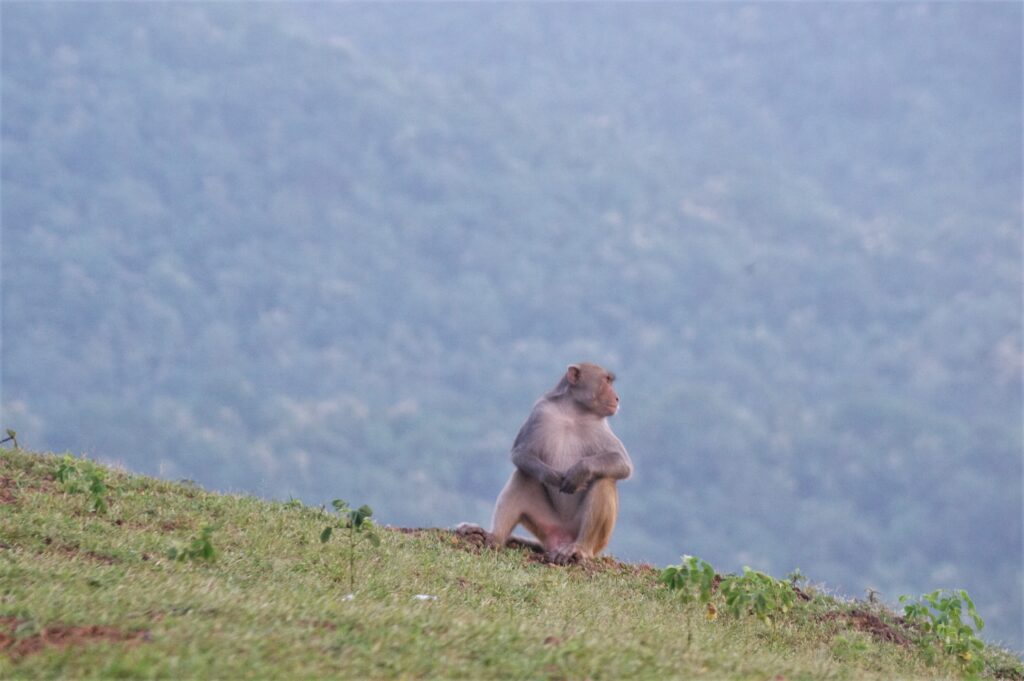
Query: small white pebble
x,y
349,597
425,597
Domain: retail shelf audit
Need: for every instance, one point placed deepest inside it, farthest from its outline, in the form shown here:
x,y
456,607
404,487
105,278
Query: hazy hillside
x,y
337,250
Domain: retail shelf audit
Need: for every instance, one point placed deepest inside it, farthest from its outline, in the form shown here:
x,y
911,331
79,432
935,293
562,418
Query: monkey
x,y
567,463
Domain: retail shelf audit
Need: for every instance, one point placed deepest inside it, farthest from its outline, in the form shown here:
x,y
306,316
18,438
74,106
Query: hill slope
x,y
92,591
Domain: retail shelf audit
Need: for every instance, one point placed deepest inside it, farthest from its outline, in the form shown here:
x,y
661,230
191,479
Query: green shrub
x,y
939,615
752,592
81,475
199,549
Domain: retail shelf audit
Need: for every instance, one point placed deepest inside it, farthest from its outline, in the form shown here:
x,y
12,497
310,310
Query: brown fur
x,y
567,463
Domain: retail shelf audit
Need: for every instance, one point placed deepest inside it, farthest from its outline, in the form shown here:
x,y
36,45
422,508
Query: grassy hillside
x,y
89,589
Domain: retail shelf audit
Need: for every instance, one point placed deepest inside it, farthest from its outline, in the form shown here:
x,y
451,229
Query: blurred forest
x,y
337,250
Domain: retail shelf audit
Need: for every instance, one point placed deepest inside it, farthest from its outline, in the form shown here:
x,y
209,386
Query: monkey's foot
x,y
474,534
569,555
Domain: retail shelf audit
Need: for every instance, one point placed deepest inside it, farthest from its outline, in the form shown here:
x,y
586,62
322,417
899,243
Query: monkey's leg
x,y
599,511
524,501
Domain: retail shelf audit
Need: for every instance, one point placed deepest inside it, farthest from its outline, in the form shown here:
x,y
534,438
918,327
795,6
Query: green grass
x,y
272,604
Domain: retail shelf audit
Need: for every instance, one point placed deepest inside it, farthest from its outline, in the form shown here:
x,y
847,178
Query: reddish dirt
x,y
872,624
171,525
801,594
75,552
8,496
475,540
59,636
91,555
46,486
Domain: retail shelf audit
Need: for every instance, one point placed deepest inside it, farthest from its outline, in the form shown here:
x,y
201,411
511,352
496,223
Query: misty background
x,y
333,250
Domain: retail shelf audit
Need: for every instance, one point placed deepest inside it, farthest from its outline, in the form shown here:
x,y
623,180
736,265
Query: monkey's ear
x,y
572,374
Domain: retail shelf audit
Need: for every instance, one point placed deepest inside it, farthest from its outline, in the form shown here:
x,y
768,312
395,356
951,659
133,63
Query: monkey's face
x,y
593,390
606,402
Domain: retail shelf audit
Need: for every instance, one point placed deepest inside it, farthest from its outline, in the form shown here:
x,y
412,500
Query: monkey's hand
x,y
576,478
552,478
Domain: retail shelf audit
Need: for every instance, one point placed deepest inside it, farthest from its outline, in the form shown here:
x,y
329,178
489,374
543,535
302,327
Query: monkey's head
x,y
591,387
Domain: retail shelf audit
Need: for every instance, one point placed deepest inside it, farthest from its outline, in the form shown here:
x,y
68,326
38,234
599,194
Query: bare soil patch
x,y
91,555
60,636
871,623
75,552
475,540
174,524
8,496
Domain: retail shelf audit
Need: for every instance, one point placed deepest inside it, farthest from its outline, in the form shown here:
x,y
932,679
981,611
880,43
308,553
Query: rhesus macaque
x,y
567,463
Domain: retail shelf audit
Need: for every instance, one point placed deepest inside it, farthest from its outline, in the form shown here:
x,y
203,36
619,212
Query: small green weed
x,y
11,437
757,593
199,549
752,592
80,475
359,527
940,616
694,579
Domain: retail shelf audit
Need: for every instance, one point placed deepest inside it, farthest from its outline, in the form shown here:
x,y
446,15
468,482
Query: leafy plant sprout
x,y
692,575
83,476
359,527
12,437
199,549
939,614
757,593
752,592
943,618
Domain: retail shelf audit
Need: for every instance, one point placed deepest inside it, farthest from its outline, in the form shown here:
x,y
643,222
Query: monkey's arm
x,y
614,464
526,451
529,463
611,464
